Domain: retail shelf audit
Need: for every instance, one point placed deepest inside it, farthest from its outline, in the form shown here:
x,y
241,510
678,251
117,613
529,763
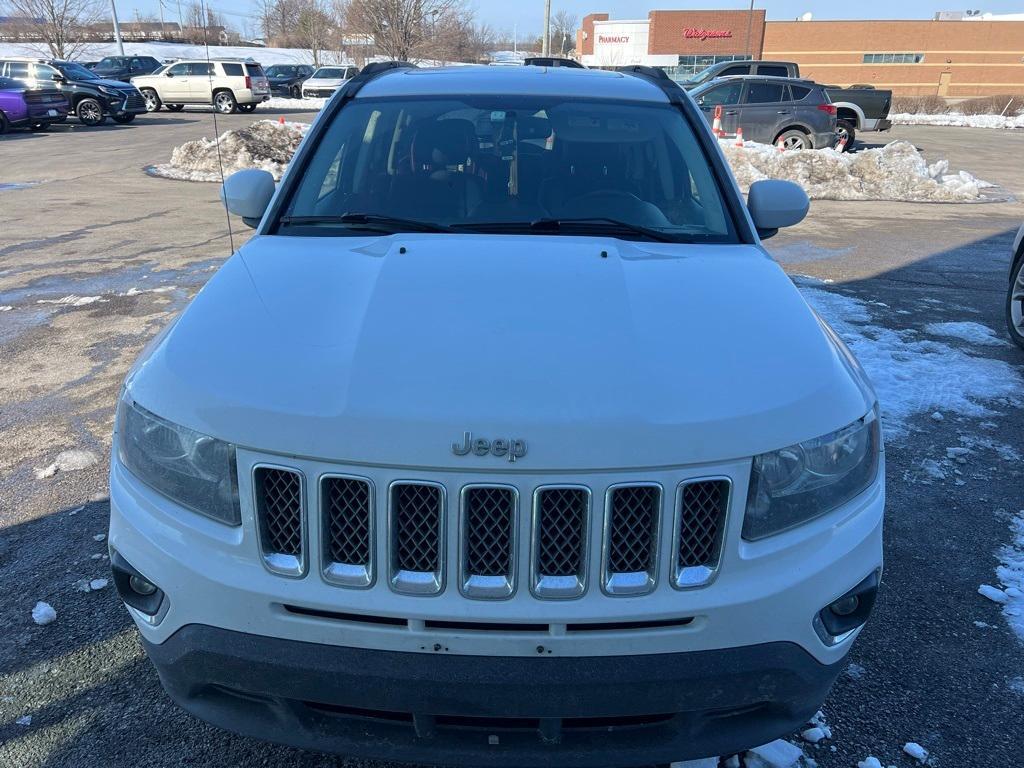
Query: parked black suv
x,y
287,79
124,68
90,97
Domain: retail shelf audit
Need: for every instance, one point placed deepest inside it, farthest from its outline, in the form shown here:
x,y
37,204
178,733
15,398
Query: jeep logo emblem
x,y
513,448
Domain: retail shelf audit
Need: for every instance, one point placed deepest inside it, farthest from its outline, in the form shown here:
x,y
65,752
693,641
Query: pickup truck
x,y
857,109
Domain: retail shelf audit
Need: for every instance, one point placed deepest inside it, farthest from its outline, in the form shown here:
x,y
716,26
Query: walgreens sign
x,y
695,33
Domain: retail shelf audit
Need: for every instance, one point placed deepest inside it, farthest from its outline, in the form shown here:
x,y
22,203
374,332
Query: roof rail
x,y
375,68
551,61
657,77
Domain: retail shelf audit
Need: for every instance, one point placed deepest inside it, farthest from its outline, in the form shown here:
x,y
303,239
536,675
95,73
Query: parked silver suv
x,y
771,108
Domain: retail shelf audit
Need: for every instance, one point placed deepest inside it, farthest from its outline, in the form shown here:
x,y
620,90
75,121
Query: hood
x,y
325,82
122,86
657,354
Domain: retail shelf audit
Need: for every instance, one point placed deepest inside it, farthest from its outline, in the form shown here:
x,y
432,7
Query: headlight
x,y
110,91
188,467
804,481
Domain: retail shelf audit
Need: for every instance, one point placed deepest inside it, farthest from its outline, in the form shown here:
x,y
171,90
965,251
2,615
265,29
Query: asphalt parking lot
x,y
96,256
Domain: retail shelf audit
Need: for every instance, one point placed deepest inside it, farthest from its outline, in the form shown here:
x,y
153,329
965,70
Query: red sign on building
x,y
695,33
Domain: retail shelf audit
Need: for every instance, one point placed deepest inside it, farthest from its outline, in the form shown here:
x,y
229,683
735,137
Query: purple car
x,y
35,108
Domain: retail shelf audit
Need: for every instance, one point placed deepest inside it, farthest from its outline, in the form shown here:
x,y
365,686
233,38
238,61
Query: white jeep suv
x,y
502,442
230,85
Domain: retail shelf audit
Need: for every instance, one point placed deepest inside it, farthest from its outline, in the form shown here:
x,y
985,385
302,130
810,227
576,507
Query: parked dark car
x,y
858,107
771,108
91,98
34,108
287,79
124,68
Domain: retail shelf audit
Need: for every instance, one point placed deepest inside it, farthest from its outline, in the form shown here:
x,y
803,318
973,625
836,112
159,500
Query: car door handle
x,y
784,112
732,112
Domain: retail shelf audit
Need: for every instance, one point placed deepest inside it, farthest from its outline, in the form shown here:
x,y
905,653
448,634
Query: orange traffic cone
x,y
716,125
281,119
841,146
780,145
739,137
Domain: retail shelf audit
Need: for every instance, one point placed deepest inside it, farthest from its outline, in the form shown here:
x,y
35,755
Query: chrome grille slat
x,y
560,541
346,508
702,508
631,539
417,522
488,540
279,507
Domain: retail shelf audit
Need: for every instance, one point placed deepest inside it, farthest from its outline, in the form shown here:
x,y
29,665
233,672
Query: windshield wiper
x,y
605,225
371,221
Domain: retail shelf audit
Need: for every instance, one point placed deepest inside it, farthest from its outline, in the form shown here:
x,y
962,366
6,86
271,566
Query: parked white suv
x,y
502,442
326,80
230,85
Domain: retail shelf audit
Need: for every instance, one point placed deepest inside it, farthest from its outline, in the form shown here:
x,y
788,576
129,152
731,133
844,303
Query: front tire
x,y
152,100
4,125
847,129
793,139
296,92
1015,303
123,119
90,112
224,102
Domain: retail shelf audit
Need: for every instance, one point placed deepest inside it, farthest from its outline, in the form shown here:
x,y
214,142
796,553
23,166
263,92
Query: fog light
x,y
846,606
142,586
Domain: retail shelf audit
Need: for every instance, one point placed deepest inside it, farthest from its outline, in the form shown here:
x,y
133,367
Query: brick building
x,y
962,57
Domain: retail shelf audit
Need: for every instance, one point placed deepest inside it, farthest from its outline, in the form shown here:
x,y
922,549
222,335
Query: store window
x,y
893,58
691,65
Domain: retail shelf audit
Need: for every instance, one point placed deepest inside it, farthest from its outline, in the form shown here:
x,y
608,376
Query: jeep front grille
x,y
279,508
346,509
488,540
417,523
698,535
631,538
560,541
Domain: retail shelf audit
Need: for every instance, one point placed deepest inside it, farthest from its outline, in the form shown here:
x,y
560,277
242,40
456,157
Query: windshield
x,y
501,164
329,73
280,70
112,62
74,71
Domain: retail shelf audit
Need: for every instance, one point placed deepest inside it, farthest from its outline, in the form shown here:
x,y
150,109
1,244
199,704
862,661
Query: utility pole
x,y
160,5
117,29
750,29
546,45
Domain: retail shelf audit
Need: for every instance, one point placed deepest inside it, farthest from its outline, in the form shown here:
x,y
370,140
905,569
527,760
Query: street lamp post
x,y
546,44
750,30
117,28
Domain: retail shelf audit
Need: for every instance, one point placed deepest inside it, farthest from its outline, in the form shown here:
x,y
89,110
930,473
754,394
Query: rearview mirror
x,y
247,194
774,204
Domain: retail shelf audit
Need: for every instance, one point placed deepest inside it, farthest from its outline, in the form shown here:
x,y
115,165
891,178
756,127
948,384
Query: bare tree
x,y
58,23
403,29
316,29
563,32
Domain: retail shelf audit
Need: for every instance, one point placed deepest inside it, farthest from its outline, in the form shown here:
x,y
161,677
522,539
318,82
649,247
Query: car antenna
x,y
216,130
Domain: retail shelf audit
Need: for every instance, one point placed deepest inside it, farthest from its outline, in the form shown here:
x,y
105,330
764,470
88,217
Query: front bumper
x,y
318,93
127,103
492,710
282,89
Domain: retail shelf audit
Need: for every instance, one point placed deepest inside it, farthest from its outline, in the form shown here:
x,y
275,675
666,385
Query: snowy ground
x,y
962,121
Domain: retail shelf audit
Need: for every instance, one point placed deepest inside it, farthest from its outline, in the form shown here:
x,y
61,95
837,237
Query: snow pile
x,y
265,144
916,751
959,120
68,461
913,375
91,585
976,333
896,172
43,613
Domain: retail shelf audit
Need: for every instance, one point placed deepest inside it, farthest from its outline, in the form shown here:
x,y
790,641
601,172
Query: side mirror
x,y
59,79
168,73
774,204
247,194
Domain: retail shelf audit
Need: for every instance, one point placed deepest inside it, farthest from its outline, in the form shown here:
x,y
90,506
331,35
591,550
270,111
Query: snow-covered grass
x,y
896,172
162,51
913,375
959,120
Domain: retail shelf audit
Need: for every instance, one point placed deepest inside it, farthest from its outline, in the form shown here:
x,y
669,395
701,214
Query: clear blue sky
x,y
528,14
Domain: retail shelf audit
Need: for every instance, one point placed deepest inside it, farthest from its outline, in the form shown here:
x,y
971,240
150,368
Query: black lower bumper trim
x,y
493,710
